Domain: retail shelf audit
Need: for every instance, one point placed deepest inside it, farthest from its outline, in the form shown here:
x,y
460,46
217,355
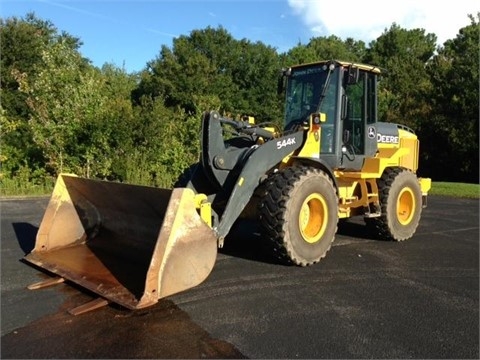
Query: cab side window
x,y
354,124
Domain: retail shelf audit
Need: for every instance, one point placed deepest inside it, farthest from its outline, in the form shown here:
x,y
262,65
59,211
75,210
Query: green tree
x,y
254,71
163,143
193,70
404,89
65,101
326,48
116,121
209,69
451,132
22,43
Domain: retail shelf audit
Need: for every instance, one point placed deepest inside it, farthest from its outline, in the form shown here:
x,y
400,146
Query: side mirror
x,y
353,74
284,73
280,85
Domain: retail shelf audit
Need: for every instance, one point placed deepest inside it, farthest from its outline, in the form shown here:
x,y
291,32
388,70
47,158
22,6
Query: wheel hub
x,y
313,218
405,206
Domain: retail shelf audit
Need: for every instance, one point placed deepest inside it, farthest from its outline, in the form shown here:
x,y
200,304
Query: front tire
x,y
401,203
299,215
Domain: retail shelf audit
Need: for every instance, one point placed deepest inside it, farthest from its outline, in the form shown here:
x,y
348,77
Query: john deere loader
x,y
332,160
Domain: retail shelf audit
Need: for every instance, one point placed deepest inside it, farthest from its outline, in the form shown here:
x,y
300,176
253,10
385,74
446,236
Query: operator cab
x,y
347,94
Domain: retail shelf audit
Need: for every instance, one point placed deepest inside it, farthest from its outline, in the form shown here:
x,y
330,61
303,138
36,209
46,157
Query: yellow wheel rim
x,y
405,206
313,217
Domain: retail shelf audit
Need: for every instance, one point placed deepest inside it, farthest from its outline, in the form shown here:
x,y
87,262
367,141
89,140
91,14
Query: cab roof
x,y
370,68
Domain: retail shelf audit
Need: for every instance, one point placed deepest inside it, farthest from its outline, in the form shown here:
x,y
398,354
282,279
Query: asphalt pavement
x,y
366,299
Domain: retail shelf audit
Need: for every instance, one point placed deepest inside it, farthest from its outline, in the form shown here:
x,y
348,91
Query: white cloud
x,y
367,20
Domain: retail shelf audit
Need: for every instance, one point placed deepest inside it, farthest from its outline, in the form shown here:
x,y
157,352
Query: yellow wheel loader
x,y
134,245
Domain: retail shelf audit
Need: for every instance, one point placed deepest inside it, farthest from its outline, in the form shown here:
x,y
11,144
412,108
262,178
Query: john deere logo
x,y
387,139
371,132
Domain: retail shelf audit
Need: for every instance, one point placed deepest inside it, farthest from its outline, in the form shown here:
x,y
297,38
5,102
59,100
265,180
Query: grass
x,y
14,187
462,190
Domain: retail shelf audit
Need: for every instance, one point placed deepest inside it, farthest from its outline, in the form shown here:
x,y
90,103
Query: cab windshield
x,y
310,89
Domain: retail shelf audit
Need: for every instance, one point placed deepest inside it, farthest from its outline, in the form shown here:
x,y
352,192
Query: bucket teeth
x,y
46,283
90,306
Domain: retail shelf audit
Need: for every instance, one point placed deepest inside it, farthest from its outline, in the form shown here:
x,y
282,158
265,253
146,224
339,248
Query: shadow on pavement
x,y
244,241
111,332
161,331
26,234
356,229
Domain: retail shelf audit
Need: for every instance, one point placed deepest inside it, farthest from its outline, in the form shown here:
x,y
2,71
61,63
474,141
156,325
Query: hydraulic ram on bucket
x,y
130,244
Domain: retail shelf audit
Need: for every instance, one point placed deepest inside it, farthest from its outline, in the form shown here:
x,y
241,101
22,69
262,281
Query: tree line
x,y
59,113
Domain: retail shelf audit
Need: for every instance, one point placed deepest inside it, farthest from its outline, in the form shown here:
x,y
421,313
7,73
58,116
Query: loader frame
x,y
134,245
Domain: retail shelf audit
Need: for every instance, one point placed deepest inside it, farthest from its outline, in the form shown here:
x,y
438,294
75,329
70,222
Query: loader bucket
x,y
129,244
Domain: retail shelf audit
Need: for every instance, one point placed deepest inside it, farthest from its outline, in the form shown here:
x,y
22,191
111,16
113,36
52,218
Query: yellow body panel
x,y
404,154
425,185
374,167
355,193
311,147
204,207
359,188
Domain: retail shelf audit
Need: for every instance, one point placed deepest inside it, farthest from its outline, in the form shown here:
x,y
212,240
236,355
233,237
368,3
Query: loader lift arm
x,y
237,168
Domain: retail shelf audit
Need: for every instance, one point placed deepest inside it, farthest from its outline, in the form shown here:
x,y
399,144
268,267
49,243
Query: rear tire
x,y
299,215
401,203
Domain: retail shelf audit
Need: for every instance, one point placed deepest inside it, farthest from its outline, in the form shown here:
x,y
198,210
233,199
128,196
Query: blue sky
x,y
130,33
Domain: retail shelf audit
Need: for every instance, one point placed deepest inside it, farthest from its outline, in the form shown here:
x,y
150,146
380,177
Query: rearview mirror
x,y
284,73
353,74
280,84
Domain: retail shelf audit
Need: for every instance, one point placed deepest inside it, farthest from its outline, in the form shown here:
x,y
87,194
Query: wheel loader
x,y
332,160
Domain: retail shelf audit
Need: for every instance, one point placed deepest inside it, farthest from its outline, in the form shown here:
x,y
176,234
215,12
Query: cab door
x,y
359,139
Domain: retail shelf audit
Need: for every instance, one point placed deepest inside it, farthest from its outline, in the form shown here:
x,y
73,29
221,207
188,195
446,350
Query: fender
x,y
319,164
